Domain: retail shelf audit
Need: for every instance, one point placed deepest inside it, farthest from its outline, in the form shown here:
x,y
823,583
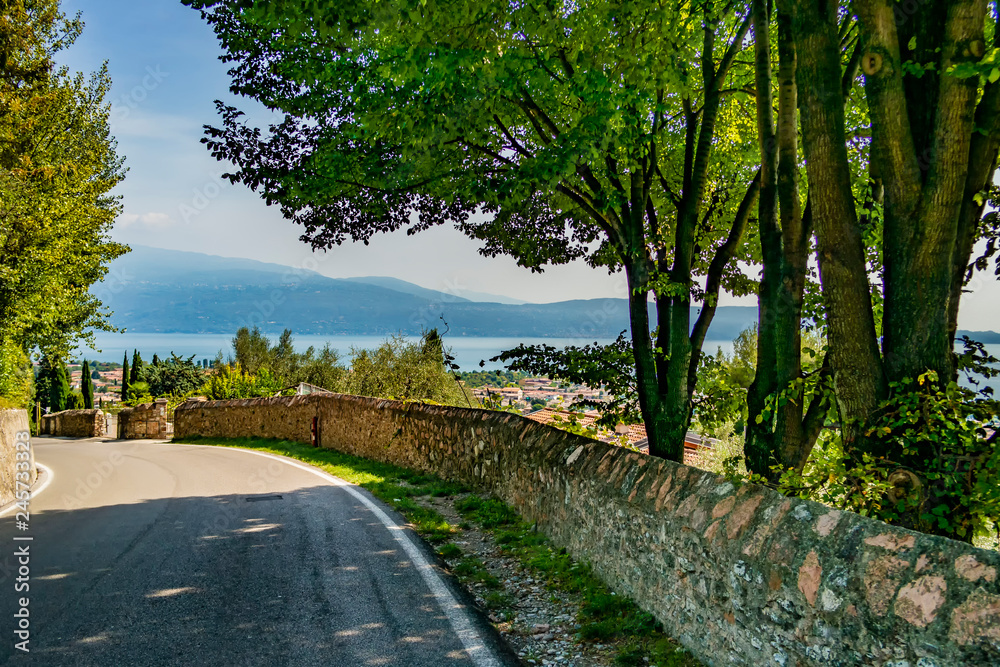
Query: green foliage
x,y
405,371
254,352
135,373
16,375
609,366
940,471
139,393
52,387
58,163
499,378
75,401
174,377
229,381
573,130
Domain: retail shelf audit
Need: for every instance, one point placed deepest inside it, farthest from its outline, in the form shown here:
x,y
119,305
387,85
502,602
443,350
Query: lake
x,y
467,350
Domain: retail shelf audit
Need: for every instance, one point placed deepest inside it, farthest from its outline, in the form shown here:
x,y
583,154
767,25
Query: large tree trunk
x,y
853,345
921,138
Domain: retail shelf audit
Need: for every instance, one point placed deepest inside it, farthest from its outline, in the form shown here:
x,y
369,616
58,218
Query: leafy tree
x,y
174,377
609,366
96,375
87,386
405,371
138,393
252,349
58,163
75,401
586,132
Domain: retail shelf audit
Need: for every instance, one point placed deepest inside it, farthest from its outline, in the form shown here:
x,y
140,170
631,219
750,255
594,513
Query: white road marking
x,y
460,621
35,491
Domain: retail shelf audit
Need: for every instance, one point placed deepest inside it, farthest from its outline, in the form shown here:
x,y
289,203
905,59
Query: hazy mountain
x,y
152,290
398,285
984,337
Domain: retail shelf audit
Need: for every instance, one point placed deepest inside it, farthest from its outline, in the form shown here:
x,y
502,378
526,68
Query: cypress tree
x,y
59,390
156,360
87,387
136,368
125,378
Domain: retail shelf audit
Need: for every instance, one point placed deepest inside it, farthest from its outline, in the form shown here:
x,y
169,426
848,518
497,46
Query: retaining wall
x,y
146,420
741,576
12,423
74,423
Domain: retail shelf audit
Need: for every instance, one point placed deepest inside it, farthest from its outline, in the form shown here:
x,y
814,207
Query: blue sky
x,y
163,61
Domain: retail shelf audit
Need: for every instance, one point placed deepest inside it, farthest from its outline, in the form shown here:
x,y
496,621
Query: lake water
x,y
467,350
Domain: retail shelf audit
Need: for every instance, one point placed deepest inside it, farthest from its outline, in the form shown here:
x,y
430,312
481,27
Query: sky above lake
x,y
163,61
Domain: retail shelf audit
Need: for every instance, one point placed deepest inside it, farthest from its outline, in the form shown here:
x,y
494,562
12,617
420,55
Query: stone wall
x,y
147,420
741,576
13,422
74,423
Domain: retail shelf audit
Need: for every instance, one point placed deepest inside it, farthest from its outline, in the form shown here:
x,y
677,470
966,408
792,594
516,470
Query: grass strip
x,y
604,617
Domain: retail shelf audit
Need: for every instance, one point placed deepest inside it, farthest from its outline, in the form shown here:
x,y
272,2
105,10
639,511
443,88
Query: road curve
x,y
147,553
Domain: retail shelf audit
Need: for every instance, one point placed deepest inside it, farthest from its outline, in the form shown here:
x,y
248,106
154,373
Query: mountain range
x,y
152,290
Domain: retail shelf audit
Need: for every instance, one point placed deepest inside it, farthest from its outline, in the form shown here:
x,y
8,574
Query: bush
x,y
938,470
229,382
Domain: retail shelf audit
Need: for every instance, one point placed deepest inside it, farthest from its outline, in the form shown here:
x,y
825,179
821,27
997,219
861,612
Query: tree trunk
x,y
784,438
655,411
759,444
855,361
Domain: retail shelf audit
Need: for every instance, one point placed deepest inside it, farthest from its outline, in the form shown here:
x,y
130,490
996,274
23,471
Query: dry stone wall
x,y
147,420
741,575
74,423
13,452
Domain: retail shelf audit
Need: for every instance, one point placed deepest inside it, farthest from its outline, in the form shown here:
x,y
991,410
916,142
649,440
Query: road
x,y
146,553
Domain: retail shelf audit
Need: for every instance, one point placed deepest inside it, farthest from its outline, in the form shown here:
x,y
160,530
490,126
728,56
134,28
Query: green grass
x,y
603,616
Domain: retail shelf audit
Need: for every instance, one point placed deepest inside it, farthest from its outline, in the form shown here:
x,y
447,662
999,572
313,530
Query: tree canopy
x,y
58,162
676,143
549,132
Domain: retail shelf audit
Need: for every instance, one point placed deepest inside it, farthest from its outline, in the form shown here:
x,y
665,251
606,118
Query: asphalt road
x,y
146,553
